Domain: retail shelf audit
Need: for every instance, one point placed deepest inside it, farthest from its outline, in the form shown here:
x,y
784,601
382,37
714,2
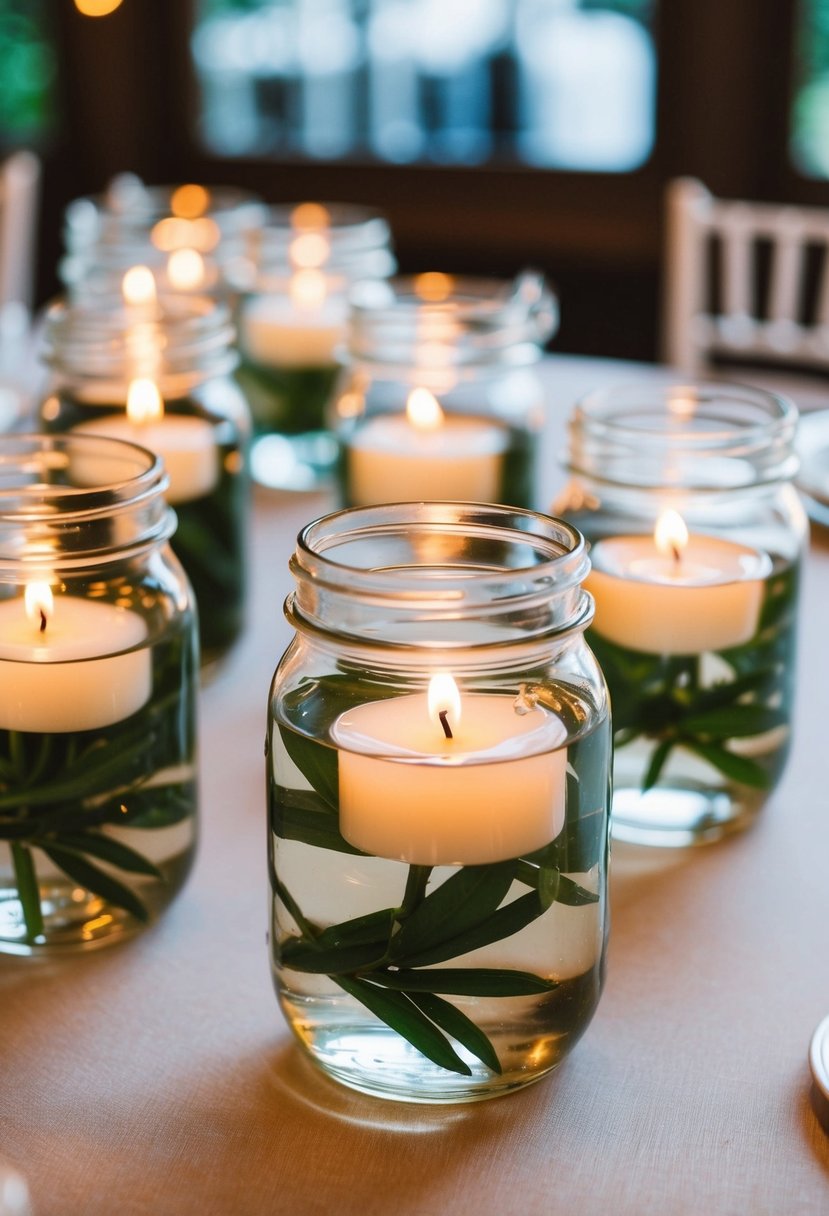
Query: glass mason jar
x,y
99,671
696,534
160,375
438,759
181,232
291,280
440,398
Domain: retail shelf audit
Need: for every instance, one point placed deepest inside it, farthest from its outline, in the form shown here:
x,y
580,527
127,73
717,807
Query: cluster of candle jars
x,y
438,766
158,371
696,534
440,398
291,280
99,672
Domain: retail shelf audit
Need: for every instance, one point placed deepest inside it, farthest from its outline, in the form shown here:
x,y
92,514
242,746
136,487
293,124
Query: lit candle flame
x,y
189,201
309,215
433,286
309,250
185,269
39,603
138,286
144,402
670,534
423,411
444,703
308,289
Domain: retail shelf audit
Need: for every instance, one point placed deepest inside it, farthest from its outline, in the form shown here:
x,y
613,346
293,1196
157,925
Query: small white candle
x,y
186,444
300,329
676,593
70,664
410,793
425,455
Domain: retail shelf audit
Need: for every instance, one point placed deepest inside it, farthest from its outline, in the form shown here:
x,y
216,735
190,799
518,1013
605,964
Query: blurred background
x,y
493,133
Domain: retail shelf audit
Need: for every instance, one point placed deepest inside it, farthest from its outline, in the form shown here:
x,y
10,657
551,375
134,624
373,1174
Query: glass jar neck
x,y
436,322
77,502
177,341
434,583
707,437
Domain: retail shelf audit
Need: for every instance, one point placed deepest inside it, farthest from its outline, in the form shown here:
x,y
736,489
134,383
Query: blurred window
x,y
27,73
559,84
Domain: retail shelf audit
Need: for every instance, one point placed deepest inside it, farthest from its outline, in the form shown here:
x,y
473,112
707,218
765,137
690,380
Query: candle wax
x,y
409,793
186,444
79,673
276,332
709,599
390,460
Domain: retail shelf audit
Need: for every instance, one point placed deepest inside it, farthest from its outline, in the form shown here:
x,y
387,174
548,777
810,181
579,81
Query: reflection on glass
x,y
555,83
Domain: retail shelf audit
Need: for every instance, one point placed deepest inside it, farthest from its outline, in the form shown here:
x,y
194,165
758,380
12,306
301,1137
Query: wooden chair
x,y
19,193
745,283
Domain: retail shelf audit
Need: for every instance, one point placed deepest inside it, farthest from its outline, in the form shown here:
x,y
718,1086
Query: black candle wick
x,y
42,621
447,729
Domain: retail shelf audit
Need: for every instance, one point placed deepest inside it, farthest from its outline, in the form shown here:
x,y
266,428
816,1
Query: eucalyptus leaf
x,y
501,924
99,883
317,763
733,721
449,1018
104,848
657,762
403,1015
459,903
305,816
738,768
465,981
335,961
373,927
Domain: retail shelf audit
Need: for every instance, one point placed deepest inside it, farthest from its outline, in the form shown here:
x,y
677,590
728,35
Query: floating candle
x,y
676,593
70,664
433,779
425,455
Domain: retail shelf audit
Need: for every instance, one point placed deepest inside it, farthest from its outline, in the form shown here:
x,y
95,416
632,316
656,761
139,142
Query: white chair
x,y
19,195
744,281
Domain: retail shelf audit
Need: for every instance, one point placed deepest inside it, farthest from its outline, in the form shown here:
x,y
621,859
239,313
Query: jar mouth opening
x,y
414,574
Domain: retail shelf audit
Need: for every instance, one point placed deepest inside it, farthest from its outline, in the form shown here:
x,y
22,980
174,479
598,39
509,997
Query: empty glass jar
x,y
159,373
696,535
438,760
441,398
99,673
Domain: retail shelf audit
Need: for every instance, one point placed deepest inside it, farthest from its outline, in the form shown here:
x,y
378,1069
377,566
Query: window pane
x,y
566,84
27,72
810,111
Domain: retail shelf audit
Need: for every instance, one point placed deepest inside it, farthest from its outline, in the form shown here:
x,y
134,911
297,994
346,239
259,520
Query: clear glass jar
x,y
438,847
696,635
181,232
441,398
291,280
99,672
97,352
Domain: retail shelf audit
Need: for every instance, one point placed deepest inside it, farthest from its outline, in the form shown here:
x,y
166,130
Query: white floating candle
x,y
71,664
300,329
409,792
425,455
676,593
186,444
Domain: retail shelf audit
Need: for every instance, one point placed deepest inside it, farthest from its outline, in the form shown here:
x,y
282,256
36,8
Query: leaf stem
x,y
27,889
415,892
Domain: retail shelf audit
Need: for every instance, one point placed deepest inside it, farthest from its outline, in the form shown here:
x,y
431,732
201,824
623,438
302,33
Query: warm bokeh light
x,y
97,8
39,603
138,286
423,411
189,201
308,289
309,215
309,249
433,286
443,697
173,232
670,534
144,402
185,269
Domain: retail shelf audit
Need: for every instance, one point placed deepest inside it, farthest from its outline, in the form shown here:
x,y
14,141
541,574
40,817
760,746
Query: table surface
x,y
159,1077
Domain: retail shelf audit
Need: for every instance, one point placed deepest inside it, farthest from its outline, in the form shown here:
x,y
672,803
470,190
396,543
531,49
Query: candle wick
x,y
42,621
447,729
677,552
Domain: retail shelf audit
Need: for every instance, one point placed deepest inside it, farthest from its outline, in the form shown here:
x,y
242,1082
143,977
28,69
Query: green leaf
x,y
501,924
373,927
316,762
296,953
459,1026
103,847
465,981
88,875
657,762
305,816
403,1015
461,902
738,768
574,896
733,721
